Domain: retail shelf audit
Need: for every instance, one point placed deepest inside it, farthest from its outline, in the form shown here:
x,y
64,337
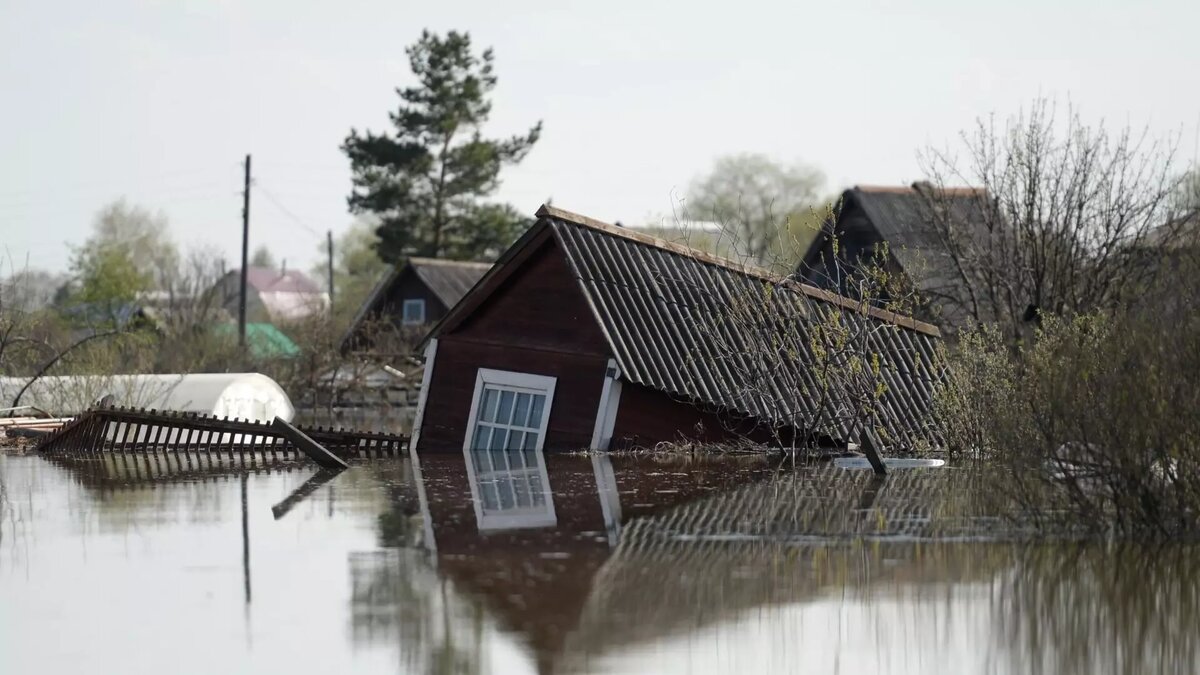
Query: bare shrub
x,y
1096,424
1059,213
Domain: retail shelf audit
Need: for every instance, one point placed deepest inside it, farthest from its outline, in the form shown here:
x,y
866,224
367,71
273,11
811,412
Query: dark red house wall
x,y
537,322
647,416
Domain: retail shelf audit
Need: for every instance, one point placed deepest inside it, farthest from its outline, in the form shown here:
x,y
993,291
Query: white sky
x,y
159,101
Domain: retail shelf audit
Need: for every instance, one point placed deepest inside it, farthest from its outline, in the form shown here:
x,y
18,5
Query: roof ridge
x,y
422,260
953,191
658,242
906,321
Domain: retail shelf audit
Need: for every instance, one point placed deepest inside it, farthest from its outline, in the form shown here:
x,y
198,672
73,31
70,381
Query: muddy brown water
x,y
522,563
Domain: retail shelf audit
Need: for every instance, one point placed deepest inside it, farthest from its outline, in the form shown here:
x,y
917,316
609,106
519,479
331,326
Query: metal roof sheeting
x,y
714,332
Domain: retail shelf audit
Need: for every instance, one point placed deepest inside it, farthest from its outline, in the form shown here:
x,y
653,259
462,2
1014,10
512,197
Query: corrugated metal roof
x,y
740,339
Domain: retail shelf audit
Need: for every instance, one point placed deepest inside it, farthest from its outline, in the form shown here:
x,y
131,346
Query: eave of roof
x,y
428,269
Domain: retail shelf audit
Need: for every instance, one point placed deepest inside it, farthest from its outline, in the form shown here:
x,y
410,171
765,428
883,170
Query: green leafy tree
x,y
109,275
129,252
766,208
426,181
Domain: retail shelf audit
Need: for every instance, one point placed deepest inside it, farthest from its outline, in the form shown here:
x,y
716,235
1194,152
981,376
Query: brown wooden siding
x,y
373,331
539,306
646,417
410,287
538,323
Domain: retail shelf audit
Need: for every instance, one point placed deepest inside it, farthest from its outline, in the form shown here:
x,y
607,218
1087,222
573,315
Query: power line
x,y
285,210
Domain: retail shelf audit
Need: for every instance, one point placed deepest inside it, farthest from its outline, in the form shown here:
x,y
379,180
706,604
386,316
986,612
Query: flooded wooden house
x,y
410,297
928,233
589,335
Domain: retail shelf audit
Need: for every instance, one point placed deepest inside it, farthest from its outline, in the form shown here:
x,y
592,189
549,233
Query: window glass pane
x,y
483,464
531,439
536,497
490,397
535,414
491,502
499,436
517,458
504,414
414,311
521,412
505,487
515,441
521,488
482,435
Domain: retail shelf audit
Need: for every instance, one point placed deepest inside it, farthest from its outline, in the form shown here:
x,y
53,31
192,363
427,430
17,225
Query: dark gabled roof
x,y
913,220
448,280
665,308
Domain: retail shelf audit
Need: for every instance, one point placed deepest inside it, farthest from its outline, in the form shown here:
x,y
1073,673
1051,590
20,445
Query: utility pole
x,y
245,255
329,242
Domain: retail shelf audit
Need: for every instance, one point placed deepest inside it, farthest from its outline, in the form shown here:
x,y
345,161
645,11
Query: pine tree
x,y
427,181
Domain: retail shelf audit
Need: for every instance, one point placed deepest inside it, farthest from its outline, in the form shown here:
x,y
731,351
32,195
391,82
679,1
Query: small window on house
x,y
414,312
503,448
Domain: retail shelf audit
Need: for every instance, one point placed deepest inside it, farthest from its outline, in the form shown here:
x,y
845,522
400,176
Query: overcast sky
x,y
159,101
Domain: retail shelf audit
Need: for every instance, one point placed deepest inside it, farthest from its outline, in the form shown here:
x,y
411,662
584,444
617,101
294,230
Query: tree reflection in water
x,y
398,599
1100,608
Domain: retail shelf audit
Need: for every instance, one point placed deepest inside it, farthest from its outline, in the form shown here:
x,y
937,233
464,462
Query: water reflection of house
x,y
588,335
580,555
530,538
409,298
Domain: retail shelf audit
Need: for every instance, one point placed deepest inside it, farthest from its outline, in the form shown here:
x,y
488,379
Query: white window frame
x,y
412,302
520,383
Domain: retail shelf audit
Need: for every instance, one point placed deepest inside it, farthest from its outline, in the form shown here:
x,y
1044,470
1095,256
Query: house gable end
x,y
538,305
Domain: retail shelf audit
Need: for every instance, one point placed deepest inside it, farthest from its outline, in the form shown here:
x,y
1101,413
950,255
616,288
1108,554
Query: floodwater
x,y
522,563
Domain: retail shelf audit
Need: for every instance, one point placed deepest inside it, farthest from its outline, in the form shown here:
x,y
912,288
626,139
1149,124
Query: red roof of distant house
x,y
268,279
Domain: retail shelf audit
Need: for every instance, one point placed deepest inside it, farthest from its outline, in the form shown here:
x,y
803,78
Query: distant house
x,y
412,295
915,223
272,296
588,335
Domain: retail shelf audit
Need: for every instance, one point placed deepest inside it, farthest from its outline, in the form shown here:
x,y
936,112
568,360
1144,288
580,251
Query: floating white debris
x,y
894,463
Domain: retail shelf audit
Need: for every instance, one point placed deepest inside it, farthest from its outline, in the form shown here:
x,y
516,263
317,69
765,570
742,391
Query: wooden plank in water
x,y
870,447
308,446
321,477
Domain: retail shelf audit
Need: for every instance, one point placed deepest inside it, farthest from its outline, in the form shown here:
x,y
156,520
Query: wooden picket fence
x,y
105,430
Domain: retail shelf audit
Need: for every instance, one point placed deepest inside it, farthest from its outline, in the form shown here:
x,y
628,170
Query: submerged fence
x,y
197,437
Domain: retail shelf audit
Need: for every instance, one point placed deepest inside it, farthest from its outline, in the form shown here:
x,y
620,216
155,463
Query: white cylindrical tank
x,y
250,396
